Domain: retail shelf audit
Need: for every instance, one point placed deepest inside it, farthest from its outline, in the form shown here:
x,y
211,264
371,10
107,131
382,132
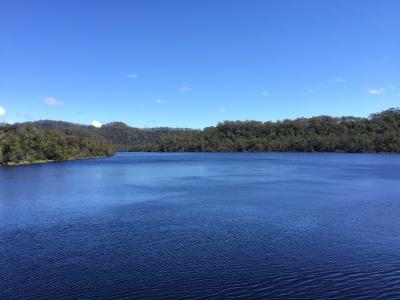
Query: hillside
x,y
379,132
27,144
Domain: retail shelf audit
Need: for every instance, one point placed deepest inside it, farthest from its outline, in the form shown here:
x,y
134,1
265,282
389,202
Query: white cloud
x,y
312,107
392,87
2,111
265,93
337,80
376,91
221,109
131,76
96,124
161,101
53,101
185,89
9,121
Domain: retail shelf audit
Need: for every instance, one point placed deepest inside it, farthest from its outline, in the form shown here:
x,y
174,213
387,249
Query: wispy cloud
x,y
23,115
265,93
9,121
312,91
392,87
221,109
131,76
2,111
337,80
161,101
311,107
185,89
376,91
96,124
53,101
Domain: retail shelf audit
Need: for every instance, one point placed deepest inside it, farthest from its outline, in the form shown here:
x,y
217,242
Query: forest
x,y
25,144
380,132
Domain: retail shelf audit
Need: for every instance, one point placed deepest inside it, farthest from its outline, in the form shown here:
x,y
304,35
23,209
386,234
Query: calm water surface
x,y
202,225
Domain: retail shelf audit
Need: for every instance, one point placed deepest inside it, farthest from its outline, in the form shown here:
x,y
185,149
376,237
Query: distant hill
x,y
120,135
379,132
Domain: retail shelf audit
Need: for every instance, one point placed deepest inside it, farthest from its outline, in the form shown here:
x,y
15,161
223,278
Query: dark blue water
x,y
193,226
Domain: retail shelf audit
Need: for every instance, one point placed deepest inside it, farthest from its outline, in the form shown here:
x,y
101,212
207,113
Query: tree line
x,y
380,132
24,144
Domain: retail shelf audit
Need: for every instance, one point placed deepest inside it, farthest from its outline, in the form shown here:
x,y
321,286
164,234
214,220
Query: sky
x,y
196,63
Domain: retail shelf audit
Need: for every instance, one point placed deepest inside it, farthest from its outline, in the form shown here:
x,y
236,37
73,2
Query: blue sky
x,y
196,63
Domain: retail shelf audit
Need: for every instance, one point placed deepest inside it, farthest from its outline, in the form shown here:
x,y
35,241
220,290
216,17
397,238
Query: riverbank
x,y
35,162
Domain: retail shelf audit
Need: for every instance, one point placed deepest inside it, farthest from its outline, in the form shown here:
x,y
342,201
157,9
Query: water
x,y
202,226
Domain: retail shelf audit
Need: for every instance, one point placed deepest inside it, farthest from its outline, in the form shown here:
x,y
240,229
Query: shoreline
x,y
38,162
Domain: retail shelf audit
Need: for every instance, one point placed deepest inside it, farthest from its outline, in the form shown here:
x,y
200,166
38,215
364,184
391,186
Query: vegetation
x,y
27,144
55,141
378,133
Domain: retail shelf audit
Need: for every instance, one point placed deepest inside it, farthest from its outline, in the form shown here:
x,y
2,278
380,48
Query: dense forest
x,y
379,132
27,144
